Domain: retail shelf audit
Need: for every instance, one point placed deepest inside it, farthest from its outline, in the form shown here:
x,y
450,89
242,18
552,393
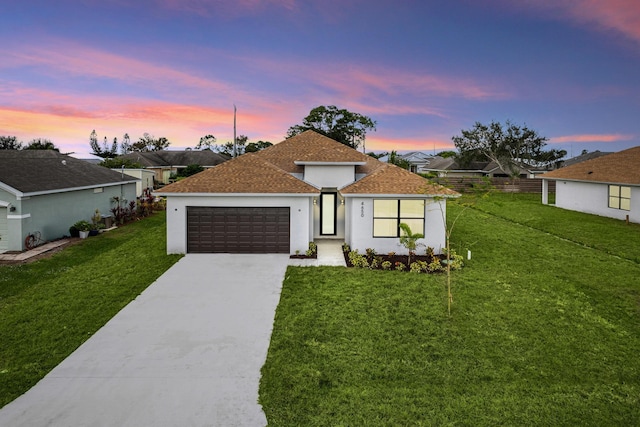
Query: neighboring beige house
x,y
607,186
146,177
305,188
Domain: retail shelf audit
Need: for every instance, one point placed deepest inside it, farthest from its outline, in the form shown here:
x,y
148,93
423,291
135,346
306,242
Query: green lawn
x,y
50,307
545,330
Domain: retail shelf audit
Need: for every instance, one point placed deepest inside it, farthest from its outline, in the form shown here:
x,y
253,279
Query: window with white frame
x,y
620,197
389,213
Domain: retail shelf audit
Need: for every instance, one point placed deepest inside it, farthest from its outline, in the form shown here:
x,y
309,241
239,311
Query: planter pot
x,y
93,232
83,234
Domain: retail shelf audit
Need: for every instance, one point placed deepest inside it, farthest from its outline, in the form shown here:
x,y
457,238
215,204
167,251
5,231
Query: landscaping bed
x,y
429,262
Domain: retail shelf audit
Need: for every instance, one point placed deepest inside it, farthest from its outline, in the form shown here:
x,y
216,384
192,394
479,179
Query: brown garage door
x,y
237,230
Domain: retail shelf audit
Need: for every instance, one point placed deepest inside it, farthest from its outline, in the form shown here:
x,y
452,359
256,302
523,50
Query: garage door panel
x,y
238,230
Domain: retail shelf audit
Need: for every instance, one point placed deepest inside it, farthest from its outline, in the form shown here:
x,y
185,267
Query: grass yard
x,y
545,330
49,307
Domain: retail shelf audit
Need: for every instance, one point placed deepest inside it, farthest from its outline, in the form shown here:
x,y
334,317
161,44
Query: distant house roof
x,y
451,164
622,167
247,173
168,158
31,172
584,157
271,171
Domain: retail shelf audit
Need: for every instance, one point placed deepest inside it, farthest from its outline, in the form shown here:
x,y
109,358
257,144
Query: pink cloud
x,y
228,8
592,138
622,16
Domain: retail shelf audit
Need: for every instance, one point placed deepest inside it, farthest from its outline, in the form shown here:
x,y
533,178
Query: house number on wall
x,y
362,209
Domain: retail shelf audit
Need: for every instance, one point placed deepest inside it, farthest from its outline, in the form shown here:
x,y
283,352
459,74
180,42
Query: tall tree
x,y
125,145
41,144
105,151
228,149
254,147
149,143
119,162
509,146
10,143
206,142
395,159
342,125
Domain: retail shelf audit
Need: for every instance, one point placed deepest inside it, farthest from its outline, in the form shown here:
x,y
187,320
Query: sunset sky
x,y
423,69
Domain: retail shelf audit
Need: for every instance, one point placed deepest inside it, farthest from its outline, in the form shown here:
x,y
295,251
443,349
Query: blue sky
x,y
423,70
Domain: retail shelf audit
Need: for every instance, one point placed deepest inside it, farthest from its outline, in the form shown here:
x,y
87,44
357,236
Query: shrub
x,y
386,265
434,266
400,266
418,267
313,249
358,260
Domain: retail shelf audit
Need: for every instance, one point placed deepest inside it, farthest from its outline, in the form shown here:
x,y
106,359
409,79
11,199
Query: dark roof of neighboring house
x,y
270,171
584,157
247,173
204,158
622,167
451,164
42,171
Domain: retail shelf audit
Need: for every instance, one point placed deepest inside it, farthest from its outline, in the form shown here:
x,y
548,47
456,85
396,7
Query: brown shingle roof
x,y
248,173
622,167
269,171
391,179
310,146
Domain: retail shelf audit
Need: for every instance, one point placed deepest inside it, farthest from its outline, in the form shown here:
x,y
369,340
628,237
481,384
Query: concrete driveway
x,y
186,352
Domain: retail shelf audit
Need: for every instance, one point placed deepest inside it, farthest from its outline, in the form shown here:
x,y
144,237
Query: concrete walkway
x,y
186,352
329,253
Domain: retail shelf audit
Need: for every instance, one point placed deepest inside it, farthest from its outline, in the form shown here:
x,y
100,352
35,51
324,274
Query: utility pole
x,y
235,141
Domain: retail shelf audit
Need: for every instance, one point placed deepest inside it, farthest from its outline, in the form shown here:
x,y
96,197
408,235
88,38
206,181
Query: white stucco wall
x,y
329,176
359,226
299,216
593,198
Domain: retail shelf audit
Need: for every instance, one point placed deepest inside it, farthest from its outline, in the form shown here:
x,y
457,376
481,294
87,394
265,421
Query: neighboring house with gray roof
x,y
305,188
417,160
45,191
165,163
606,186
583,158
451,167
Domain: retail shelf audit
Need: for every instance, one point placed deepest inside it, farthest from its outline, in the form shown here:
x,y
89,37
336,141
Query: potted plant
x,y
83,228
95,223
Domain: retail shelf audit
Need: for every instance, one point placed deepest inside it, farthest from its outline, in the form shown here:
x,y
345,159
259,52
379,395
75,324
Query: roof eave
x,y
172,194
87,187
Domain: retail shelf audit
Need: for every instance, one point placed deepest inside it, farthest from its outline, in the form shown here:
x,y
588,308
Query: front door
x,y
328,207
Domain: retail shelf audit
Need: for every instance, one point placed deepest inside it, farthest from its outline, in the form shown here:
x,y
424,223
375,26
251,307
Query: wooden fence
x,y
507,185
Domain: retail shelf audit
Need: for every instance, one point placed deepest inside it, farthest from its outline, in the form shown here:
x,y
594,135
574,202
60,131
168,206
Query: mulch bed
x,y
395,259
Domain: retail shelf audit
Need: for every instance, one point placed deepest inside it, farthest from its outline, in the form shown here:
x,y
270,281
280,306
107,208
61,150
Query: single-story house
x,y
417,160
606,186
45,191
305,188
451,167
146,177
165,163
